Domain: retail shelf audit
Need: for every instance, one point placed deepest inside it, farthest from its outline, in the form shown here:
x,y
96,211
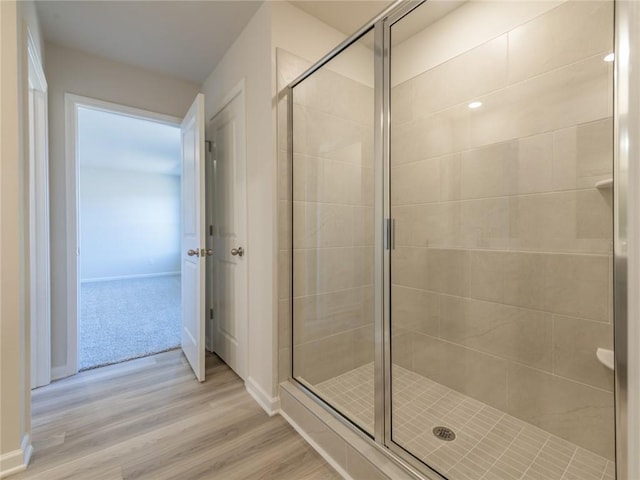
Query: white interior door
x,y
193,241
227,132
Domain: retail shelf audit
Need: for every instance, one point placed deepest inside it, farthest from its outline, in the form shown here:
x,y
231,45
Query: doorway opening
x,y
129,220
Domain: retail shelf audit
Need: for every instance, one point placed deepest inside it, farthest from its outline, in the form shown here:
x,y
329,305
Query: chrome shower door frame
x,y
626,237
384,413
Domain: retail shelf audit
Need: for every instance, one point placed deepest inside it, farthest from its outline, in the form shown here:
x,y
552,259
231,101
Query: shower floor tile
x,y
489,444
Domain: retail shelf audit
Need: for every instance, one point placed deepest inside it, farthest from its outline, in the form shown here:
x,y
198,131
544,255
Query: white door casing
x,y
193,237
39,231
72,104
227,133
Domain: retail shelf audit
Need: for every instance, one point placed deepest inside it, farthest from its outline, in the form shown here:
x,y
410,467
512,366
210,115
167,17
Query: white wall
x,y
129,223
27,11
307,37
12,344
92,76
15,396
249,58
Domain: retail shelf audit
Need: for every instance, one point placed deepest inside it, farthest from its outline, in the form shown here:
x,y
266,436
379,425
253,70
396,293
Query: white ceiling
x,y
346,16
114,141
184,39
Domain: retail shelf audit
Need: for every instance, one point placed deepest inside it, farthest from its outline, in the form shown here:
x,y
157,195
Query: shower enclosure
x,y
452,237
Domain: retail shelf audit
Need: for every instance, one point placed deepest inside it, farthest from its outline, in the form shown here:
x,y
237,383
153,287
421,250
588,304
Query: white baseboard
x,y
128,277
27,448
16,461
269,404
323,453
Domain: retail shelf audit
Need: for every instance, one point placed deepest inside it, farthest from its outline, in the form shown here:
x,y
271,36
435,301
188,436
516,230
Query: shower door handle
x,y
390,234
393,234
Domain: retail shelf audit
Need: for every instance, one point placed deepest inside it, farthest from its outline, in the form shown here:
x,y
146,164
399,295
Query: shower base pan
x,y
488,445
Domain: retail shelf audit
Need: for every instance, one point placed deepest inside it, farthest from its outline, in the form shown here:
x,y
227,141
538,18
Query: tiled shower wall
x,y
332,223
502,279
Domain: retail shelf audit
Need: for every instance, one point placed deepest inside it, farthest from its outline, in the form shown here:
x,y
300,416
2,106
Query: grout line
x,y
475,248
506,196
351,121
547,372
504,452
366,164
508,84
604,472
510,360
479,441
569,464
444,294
306,202
536,457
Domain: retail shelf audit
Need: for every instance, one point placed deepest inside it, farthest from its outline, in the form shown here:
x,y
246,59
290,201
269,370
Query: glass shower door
x,y
333,218
501,158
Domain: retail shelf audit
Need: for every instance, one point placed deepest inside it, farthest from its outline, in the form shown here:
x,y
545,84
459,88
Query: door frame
x,y
238,90
38,218
71,103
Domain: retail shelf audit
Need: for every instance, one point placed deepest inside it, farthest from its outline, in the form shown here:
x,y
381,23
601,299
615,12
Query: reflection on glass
x,y
333,232
501,129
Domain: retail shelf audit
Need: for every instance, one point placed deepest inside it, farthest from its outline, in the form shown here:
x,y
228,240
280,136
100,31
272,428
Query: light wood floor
x,y
150,419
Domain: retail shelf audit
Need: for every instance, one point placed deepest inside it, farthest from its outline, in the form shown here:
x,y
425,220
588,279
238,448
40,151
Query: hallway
x,y
150,419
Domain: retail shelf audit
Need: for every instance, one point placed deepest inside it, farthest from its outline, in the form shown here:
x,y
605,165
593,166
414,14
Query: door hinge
x,y
211,230
211,148
211,313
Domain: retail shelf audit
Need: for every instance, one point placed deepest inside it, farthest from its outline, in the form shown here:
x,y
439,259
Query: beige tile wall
x,y
502,269
331,197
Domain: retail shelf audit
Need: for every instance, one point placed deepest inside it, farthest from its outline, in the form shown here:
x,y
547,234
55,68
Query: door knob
x,y
209,252
194,253
237,251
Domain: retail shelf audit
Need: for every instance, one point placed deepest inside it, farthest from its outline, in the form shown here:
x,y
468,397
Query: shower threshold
x,y
488,445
